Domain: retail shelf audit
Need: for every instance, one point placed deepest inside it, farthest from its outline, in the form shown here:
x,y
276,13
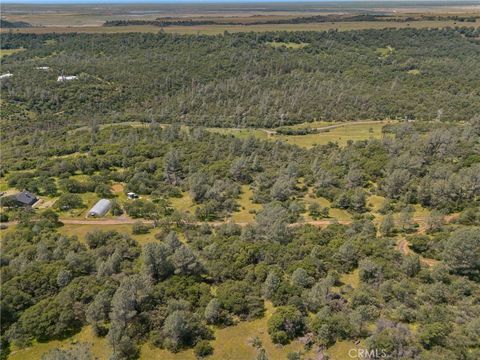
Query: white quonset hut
x,y
67,78
100,208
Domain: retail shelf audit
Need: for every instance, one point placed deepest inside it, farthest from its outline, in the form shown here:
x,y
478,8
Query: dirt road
x,y
402,243
404,248
122,221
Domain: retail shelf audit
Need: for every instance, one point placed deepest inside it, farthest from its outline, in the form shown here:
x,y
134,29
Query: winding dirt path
x,y
402,244
122,221
404,248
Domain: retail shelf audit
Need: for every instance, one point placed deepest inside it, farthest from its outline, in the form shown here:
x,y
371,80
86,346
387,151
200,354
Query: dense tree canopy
x,y
239,80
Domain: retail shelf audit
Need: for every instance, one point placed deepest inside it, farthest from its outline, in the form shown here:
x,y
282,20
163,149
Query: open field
x,y
98,346
7,52
328,132
81,231
220,29
247,207
333,132
85,18
288,45
341,135
183,204
230,343
333,213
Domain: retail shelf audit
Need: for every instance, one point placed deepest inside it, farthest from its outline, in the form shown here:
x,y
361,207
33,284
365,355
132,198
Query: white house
x,y
67,78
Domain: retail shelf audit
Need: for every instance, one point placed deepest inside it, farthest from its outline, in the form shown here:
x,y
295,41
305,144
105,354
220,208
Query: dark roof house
x,y
25,198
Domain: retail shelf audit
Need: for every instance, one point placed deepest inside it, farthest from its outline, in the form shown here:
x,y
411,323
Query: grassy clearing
x,y
334,213
3,184
352,279
341,135
340,351
385,52
184,203
414,72
246,205
81,231
5,231
99,346
350,131
288,45
346,131
7,52
375,202
420,211
241,133
230,343
312,125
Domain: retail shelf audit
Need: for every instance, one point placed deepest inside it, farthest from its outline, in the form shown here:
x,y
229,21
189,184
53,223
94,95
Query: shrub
x,y
140,228
285,324
203,349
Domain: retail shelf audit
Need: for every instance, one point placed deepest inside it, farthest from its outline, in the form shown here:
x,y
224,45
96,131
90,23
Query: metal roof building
x,y
67,78
100,208
26,198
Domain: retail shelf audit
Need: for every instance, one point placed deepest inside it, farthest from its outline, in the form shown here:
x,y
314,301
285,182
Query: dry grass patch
x,y
242,133
414,72
244,215
184,203
340,135
7,52
233,343
117,188
352,279
99,346
81,231
334,213
288,45
340,350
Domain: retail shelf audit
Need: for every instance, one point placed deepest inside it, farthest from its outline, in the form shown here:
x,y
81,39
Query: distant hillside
x,y
250,79
14,24
164,22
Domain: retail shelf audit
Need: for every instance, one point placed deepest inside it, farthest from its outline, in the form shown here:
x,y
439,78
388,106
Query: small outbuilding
x,y
7,75
67,78
100,208
25,198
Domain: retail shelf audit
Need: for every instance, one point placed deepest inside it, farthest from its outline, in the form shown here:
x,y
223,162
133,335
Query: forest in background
x,y
238,80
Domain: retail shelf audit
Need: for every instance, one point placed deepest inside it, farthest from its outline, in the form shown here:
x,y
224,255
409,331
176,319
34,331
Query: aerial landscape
x,y
240,180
